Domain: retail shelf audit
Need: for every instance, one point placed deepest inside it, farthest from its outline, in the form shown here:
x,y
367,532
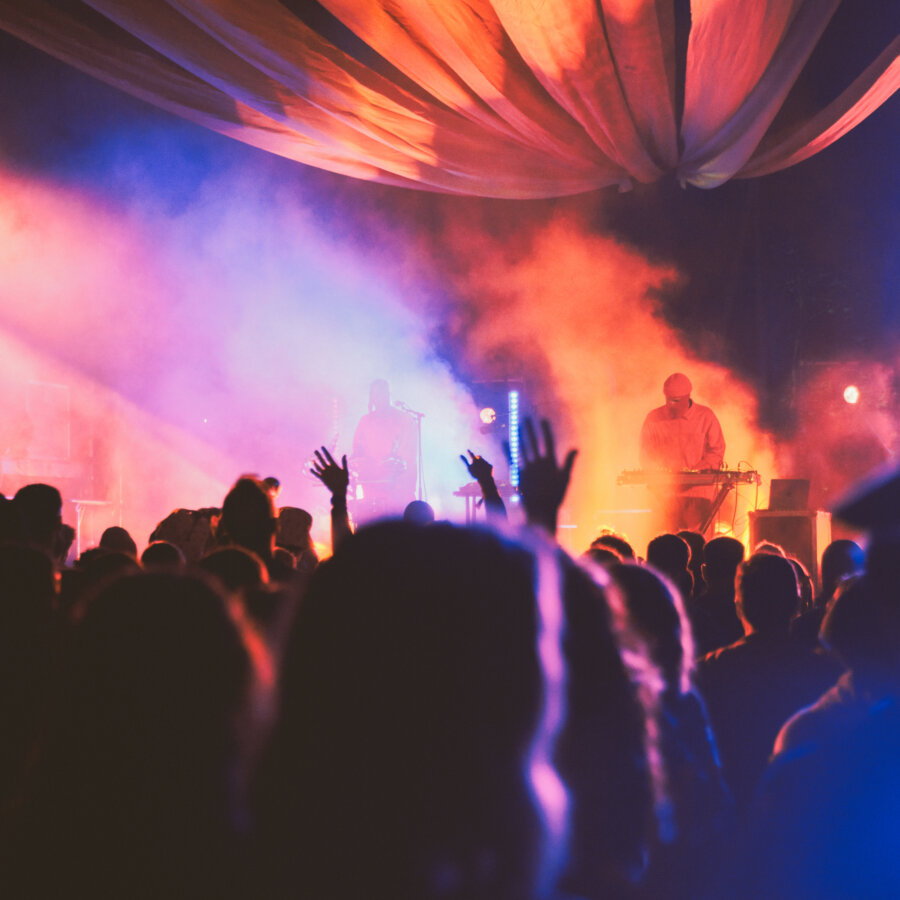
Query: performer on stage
x,y
682,435
384,456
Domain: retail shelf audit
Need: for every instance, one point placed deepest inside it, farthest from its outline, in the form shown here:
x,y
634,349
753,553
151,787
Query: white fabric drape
x,y
504,98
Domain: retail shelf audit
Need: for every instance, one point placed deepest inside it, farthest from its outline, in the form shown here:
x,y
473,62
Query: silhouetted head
x,y
414,700
840,559
603,556
768,596
293,529
97,567
677,390
162,555
863,631
379,395
721,558
418,512
616,543
135,793
39,512
118,540
248,516
236,567
669,554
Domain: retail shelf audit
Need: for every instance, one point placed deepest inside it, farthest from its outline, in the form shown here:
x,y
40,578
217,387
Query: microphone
x,y
401,405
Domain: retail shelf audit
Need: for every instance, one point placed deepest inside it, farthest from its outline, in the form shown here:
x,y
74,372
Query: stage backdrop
x,y
501,98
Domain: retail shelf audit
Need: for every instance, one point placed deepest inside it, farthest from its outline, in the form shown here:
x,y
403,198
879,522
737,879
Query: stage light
x,y
488,415
514,438
851,394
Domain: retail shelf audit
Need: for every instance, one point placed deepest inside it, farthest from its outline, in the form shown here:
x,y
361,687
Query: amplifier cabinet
x,y
803,534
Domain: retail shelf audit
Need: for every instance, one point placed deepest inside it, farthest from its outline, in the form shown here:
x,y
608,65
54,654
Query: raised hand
x,y
483,472
543,482
479,468
335,477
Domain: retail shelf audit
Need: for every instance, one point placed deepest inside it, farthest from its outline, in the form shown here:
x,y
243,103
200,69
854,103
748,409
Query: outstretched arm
x,y
483,472
543,482
336,478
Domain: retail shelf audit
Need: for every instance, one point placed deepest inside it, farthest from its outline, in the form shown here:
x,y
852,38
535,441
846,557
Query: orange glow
x,y
577,311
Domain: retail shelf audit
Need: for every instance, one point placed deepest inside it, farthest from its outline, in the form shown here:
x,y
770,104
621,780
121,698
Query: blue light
x,y
514,438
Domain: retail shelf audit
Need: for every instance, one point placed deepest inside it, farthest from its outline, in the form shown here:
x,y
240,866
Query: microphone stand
x,y
418,416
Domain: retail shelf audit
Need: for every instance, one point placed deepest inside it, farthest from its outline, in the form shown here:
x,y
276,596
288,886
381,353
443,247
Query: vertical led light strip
x,y
514,438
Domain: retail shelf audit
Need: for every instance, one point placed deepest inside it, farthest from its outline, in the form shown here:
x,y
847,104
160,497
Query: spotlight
x,y
851,394
488,415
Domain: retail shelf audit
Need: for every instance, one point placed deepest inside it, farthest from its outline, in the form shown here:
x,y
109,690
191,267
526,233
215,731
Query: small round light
x,y
851,394
488,415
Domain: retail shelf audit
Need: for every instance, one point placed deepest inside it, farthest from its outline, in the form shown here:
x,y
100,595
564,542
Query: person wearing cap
x,y
679,435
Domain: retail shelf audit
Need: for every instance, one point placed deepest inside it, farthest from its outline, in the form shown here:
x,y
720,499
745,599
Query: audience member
x,y
754,685
337,479
38,510
841,559
713,613
418,512
134,791
162,555
463,713
671,555
432,773
118,540
483,472
615,542
697,821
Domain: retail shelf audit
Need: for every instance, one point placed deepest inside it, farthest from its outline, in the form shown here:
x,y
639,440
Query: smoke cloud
x,y
577,315
212,321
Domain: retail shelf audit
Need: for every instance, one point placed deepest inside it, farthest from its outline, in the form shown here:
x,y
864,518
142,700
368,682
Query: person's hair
x,y
804,583
862,630
603,556
768,595
248,514
657,611
414,692
616,543
292,530
697,543
770,548
134,792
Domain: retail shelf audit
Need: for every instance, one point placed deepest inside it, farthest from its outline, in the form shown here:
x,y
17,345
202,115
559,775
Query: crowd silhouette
x,y
438,712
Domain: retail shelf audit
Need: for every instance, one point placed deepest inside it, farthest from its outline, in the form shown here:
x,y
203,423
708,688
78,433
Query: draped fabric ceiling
x,y
501,98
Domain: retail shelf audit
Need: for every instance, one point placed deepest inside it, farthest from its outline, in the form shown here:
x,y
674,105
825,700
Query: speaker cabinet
x,y
802,534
